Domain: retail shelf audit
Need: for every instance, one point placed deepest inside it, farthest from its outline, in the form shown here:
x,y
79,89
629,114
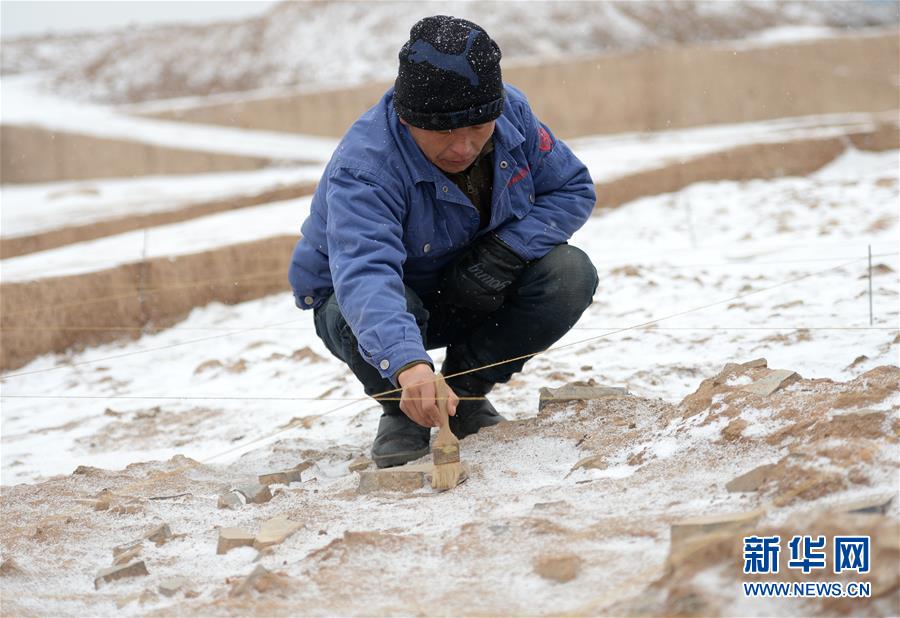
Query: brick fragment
x,y
752,480
275,531
686,529
284,477
135,569
772,381
578,392
229,538
255,493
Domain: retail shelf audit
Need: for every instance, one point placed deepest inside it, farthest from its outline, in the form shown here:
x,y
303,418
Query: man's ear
x,y
403,122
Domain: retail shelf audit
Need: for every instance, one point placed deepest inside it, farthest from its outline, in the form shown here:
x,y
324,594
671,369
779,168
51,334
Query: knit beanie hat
x,y
449,75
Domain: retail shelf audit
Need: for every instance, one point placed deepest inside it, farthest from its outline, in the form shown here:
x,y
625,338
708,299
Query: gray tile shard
x,y
750,481
578,392
275,531
135,569
255,493
686,529
229,538
874,505
283,477
772,381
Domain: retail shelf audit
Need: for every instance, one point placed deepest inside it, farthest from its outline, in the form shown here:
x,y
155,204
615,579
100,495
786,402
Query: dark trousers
x,y
544,303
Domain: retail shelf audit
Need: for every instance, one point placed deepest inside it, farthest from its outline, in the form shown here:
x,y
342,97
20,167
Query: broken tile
x,y
756,363
126,547
400,479
160,534
359,464
135,569
229,538
231,500
593,462
577,392
275,531
248,582
284,477
773,380
558,568
255,493
696,526
127,556
875,505
171,585
750,481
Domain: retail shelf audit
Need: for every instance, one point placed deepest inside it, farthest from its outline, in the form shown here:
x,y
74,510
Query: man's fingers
x,y
452,402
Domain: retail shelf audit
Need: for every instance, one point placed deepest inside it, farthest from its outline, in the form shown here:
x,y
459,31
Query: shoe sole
x,y
398,459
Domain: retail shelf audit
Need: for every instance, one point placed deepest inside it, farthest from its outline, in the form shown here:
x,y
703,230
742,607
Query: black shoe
x,y
399,441
472,415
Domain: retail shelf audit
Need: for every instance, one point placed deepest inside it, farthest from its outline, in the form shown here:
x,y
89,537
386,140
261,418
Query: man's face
x,y
455,150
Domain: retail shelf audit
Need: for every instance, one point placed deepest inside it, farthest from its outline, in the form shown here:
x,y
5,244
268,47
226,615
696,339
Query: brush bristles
x,y
446,476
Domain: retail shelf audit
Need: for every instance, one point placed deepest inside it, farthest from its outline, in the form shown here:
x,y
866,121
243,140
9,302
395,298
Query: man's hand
x,y
418,398
480,278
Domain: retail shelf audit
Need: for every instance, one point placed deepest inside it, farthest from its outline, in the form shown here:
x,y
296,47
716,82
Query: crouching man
x,y
441,221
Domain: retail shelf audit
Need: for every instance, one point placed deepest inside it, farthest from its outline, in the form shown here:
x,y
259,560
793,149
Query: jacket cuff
x,y
390,361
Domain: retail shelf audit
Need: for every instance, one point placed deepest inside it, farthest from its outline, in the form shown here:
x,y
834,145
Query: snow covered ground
x,y
717,272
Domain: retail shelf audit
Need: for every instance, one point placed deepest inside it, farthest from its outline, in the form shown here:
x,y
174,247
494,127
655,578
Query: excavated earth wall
x,y
55,314
34,154
649,90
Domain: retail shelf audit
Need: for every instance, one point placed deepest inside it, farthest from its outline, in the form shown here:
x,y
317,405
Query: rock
x,y
558,568
171,585
255,493
360,463
118,550
773,380
160,534
578,392
756,363
876,504
248,582
229,538
135,569
275,531
10,568
750,481
231,500
284,477
696,526
127,556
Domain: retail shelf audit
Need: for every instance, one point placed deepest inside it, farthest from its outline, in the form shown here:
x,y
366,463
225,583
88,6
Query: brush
x,y
445,450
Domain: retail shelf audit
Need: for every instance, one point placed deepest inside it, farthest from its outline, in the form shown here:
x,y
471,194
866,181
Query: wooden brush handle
x,y
442,394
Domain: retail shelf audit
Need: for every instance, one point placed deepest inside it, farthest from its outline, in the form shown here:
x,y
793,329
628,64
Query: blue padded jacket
x,y
383,216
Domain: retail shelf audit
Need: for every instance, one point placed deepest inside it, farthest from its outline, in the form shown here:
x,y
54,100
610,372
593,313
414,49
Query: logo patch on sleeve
x,y
546,144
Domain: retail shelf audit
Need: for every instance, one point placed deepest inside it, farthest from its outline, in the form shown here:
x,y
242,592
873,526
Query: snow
x,y
23,104
36,208
819,336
